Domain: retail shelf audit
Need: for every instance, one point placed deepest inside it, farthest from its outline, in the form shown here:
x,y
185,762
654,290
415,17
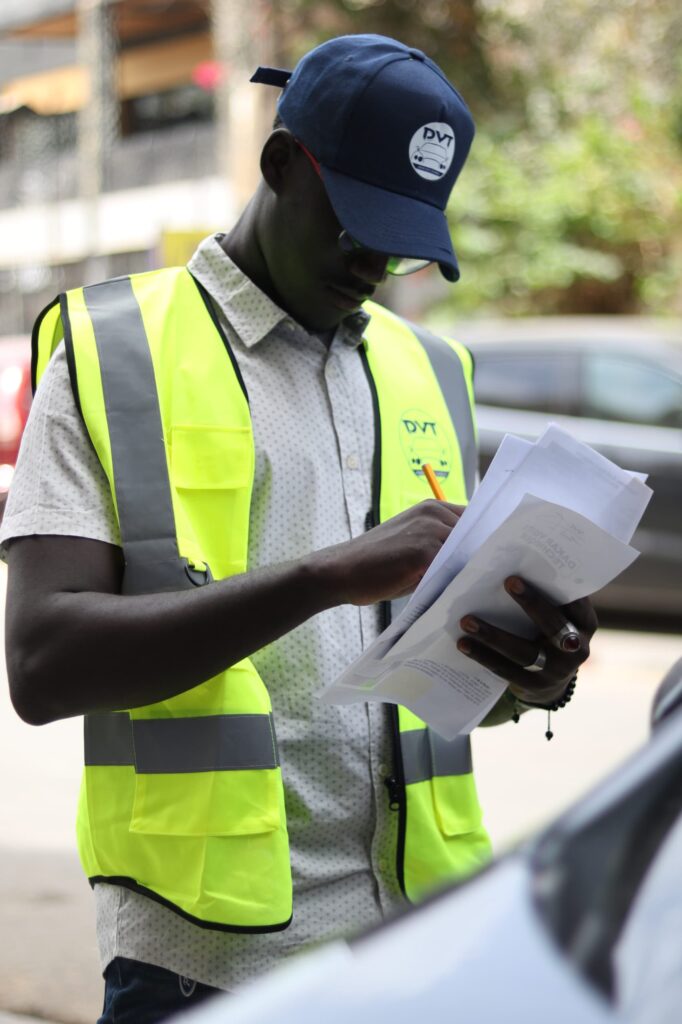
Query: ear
x,y
278,159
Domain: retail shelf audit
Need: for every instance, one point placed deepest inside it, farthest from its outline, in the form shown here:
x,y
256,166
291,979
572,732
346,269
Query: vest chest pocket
x,y
211,458
212,472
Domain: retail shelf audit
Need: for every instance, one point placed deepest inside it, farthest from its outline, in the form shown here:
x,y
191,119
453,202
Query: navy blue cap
x,y
391,135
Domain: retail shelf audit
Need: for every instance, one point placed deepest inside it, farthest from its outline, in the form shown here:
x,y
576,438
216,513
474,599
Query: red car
x,y
15,402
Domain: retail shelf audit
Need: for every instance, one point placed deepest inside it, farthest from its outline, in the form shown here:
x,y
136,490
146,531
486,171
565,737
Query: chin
x,y
322,320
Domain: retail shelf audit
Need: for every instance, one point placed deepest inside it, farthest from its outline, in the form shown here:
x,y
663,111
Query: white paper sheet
x,y
556,513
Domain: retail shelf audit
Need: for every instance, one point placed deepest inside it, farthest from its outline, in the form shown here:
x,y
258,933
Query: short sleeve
x,y
59,486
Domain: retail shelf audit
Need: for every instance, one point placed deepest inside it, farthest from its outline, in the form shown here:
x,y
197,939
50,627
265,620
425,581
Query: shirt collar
x,y
250,312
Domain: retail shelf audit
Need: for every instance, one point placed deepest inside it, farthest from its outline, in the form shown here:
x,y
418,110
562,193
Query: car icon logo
x,y
431,158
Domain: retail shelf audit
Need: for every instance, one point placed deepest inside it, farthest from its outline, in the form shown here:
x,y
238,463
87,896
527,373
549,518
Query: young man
x,y
216,501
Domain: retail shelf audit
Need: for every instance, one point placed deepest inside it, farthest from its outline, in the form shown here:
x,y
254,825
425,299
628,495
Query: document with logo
x,y
554,512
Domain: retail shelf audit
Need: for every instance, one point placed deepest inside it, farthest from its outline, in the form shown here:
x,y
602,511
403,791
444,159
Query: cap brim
x,y
391,223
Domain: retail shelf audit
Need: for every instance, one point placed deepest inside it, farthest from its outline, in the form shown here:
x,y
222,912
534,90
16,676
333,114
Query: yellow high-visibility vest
x,y
183,800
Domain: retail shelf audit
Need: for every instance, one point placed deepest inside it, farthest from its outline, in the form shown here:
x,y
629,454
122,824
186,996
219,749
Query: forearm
x,y
100,651
75,644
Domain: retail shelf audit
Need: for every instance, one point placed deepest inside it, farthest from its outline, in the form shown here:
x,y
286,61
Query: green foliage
x,y
537,223
571,200
572,197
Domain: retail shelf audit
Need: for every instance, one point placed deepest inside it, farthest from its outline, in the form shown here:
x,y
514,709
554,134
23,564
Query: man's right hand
x,y
388,561
75,644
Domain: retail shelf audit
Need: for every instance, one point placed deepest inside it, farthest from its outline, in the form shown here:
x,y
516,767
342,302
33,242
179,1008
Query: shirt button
x,y
352,461
383,770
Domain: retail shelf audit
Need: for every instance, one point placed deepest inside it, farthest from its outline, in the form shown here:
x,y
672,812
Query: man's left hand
x,y
539,670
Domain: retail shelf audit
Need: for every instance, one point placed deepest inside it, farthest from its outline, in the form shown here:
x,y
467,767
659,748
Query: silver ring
x,y
567,638
539,663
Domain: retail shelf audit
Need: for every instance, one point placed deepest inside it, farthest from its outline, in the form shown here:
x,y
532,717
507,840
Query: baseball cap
x,y
391,135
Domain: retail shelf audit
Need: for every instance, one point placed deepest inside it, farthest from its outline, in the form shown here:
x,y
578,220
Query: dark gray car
x,y
617,388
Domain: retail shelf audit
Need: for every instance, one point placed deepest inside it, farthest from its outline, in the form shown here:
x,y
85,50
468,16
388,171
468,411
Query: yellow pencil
x,y
433,482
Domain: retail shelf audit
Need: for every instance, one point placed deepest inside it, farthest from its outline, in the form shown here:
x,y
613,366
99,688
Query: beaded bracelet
x,y
549,708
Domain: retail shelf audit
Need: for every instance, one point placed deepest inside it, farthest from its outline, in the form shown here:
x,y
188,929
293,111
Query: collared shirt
x,y
313,428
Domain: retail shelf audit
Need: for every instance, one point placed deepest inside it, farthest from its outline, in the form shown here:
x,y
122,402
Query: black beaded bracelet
x,y
549,708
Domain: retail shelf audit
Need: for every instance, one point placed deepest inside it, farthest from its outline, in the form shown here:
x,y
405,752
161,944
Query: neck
x,y
242,245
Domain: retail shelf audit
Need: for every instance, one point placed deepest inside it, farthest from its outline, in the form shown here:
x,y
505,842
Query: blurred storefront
x,y
122,136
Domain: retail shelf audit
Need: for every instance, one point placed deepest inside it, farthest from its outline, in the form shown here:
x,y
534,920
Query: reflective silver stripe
x,y
449,372
136,434
108,739
427,755
211,743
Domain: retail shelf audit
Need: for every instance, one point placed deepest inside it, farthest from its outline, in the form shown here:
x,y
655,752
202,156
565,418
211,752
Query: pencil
x,y
433,482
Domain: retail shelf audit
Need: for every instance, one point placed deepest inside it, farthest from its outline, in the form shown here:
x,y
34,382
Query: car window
x,y
541,383
631,390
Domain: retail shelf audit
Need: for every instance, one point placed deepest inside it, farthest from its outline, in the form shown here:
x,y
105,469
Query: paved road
x,y
49,968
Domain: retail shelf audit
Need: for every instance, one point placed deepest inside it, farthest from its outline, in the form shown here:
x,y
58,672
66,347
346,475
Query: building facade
x,y
125,132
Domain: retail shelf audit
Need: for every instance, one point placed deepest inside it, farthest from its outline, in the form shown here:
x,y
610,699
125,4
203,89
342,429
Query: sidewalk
x,y
49,967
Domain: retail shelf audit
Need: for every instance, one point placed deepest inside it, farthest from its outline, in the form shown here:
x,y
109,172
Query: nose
x,y
369,266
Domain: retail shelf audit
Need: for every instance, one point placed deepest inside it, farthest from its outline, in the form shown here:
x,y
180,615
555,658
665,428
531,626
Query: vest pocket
x,y
455,802
211,458
212,471
211,803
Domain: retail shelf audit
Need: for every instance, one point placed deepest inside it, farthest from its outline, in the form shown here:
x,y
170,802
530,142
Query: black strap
x,y
271,76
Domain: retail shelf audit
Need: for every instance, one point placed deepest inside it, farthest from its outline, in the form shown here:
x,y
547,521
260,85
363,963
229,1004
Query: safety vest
x,y
183,800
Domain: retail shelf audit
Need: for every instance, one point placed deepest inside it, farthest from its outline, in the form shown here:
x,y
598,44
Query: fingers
x,y
582,613
443,510
516,649
457,509
510,656
390,559
550,617
428,522
527,686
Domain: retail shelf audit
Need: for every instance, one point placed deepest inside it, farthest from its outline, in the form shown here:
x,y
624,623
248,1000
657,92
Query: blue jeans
x,y
137,993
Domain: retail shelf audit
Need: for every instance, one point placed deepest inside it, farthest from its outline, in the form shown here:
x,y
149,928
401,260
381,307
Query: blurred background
x,y
129,130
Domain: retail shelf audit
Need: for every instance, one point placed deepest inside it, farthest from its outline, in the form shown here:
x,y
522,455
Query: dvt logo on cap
x,y
432,148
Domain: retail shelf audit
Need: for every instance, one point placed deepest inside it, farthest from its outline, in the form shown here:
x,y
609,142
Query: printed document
x,y
554,512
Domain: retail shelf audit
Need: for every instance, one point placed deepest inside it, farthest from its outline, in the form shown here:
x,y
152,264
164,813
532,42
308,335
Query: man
x,y
169,592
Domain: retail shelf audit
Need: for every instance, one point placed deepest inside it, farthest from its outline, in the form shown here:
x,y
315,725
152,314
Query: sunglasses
x,y
399,266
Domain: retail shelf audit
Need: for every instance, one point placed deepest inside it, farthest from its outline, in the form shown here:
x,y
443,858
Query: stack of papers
x,y
554,512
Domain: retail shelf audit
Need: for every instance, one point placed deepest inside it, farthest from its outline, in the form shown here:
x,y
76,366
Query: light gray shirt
x,y
313,426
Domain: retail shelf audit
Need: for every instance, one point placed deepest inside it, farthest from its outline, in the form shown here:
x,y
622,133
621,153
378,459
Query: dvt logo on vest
x,y
424,439
432,148
425,426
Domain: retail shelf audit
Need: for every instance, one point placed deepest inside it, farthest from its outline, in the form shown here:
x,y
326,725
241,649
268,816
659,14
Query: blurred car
x,y
578,926
15,402
619,389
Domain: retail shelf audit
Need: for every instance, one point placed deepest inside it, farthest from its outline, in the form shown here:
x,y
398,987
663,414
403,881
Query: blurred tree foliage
x,y
571,200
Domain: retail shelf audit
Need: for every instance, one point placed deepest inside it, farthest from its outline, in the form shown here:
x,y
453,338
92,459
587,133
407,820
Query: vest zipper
x,y
395,784
394,793
398,797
